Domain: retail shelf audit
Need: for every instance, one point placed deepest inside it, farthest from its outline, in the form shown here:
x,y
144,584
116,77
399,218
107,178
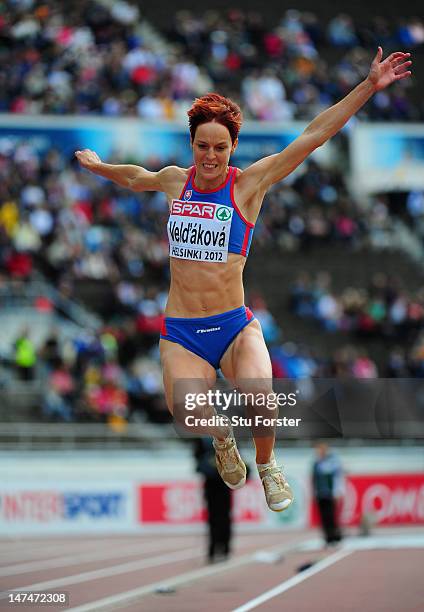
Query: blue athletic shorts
x,y
208,337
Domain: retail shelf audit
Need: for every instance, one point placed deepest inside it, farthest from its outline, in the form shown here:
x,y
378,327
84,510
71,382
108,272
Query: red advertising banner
x,y
388,499
177,503
181,503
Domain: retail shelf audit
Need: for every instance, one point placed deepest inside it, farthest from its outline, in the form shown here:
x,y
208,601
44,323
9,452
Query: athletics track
x,y
168,573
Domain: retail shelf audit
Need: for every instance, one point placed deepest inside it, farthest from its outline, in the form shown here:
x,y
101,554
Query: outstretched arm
x,y
274,168
132,177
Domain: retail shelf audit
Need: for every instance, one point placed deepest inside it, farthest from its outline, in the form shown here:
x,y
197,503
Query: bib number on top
x,y
199,231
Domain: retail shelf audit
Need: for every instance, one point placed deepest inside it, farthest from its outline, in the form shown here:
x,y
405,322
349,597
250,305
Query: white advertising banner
x,y
40,507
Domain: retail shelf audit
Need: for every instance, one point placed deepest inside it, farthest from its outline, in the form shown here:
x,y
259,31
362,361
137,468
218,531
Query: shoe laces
x,y
228,455
274,479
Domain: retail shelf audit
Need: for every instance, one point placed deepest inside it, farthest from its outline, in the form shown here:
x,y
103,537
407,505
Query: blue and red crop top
x,y
207,225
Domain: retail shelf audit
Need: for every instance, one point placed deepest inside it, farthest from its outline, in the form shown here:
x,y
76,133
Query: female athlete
x,y
213,210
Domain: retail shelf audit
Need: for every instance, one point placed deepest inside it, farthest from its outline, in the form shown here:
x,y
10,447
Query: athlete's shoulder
x,y
246,181
173,179
173,173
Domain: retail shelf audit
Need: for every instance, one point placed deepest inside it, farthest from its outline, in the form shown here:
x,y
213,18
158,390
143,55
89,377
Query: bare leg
x,y
186,373
247,364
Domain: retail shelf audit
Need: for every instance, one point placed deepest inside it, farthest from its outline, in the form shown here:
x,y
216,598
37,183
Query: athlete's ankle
x,y
263,462
222,438
224,431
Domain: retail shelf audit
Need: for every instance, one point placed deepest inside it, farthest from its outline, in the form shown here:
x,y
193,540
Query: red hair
x,y
213,107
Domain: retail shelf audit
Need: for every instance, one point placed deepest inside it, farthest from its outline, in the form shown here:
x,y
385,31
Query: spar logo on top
x,y
40,507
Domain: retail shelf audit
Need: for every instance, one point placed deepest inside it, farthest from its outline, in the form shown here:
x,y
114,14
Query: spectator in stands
x,y
363,366
55,407
25,356
62,381
397,364
341,31
60,396
269,327
416,357
50,351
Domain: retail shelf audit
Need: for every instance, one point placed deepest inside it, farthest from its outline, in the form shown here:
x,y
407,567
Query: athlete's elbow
x,y
134,183
131,185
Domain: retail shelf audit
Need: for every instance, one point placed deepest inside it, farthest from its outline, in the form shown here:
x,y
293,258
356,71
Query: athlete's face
x,y
212,148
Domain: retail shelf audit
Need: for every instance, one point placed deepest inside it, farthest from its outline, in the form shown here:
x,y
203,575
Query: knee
x,y
188,394
256,392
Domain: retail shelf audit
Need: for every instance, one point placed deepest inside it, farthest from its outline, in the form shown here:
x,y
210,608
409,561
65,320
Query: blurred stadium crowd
x,y
68,225
99,57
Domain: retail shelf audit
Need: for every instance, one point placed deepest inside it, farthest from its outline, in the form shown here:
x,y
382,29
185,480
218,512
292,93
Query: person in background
x,y
327,484
50,352
218,501
25,356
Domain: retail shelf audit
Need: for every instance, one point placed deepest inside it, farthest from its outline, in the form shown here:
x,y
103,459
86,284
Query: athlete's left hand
x,y
393,68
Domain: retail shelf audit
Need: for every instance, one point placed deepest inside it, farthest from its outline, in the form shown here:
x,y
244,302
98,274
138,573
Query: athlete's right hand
x,y
88,159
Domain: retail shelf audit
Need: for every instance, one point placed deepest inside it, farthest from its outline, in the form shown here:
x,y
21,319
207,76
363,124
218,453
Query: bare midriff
x,y
203,289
